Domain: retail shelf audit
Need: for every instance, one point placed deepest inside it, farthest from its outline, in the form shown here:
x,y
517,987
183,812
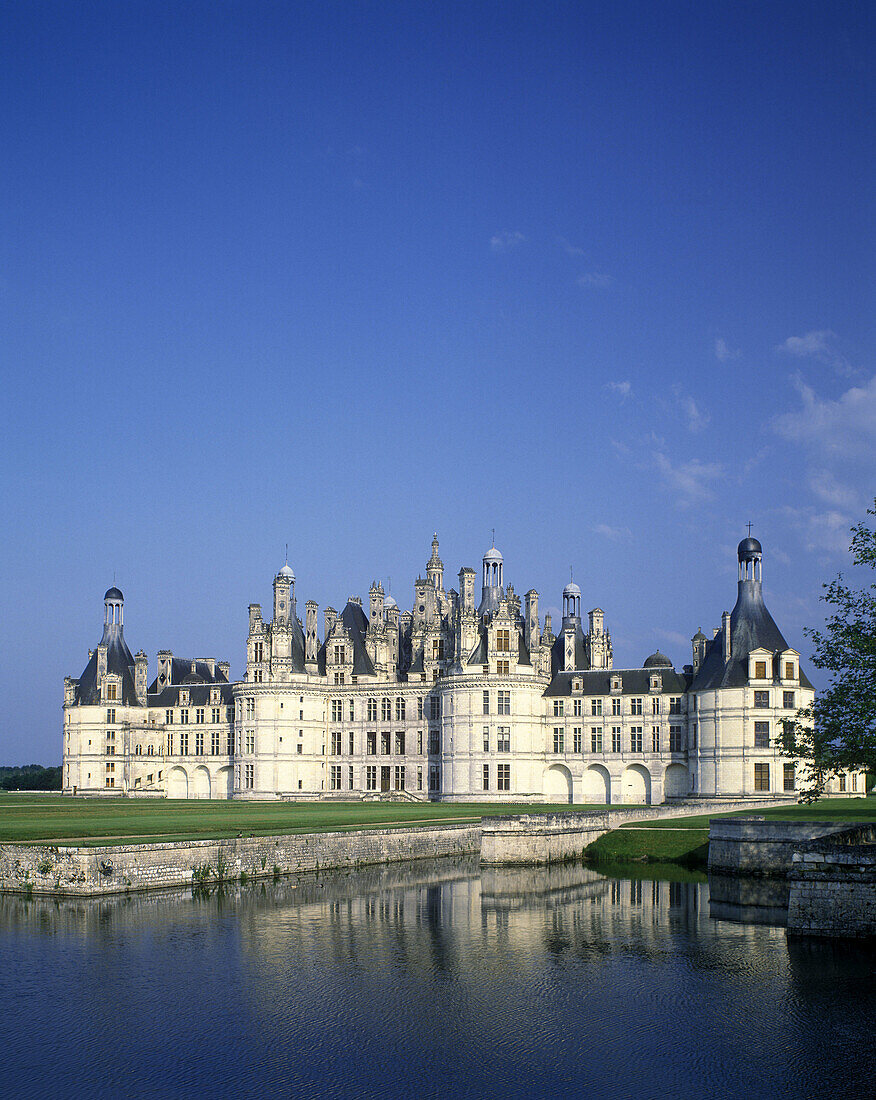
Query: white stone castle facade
x,y
456,699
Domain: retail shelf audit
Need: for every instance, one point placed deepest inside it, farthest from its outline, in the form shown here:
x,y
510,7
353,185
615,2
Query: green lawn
x,y
27,819
685,840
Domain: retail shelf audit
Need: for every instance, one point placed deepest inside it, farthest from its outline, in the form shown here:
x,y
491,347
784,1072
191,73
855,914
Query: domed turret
x,y
571,601
113,594
749,548
114,608
657,660
286,572
492,590
750,554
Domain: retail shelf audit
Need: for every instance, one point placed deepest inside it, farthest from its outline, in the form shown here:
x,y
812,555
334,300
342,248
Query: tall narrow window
x,y
761,777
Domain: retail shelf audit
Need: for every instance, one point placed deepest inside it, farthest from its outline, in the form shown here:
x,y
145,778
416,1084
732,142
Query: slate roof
x,y
356,623
119,662
198,684
751,627
635,681
558,650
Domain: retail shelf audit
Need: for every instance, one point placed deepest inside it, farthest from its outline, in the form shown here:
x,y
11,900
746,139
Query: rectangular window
x,y
559,739
842,783
250,709
503,739
170,744
386,710
596,740
503,641
576,708
761,777
504,705
214,715
434,708
249,774
111,715
336,777
371,743
486,738
258,651
486,702
352,710
434,777
399,776
111,691
184,716
372,710
420,707
250,741
420,742
615,707
371,777
788,700
214,742
503,777
655,739
419,778
675,704
337,710
675,742
789,670
486,777
434,742
615,739
400,743
199,743
340,655
596,707
559,708
636,739
385,745
352,743
337,743
168,717
788,777
399,709
760,670
351,783
576,739
635,706
503,668
655,704
761,698
184,744
761,735
199,716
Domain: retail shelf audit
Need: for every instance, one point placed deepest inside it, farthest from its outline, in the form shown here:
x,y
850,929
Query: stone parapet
x,y
761,846
833,885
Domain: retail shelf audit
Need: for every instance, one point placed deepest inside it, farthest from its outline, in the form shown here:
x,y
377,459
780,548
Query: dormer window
x,y
656,683
577,685
616,683
760,670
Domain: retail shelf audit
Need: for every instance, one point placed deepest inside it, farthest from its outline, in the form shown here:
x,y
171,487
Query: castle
x,y
453,700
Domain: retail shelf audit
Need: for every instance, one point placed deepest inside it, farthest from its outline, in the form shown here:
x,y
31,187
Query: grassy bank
x,y
685,840
30,819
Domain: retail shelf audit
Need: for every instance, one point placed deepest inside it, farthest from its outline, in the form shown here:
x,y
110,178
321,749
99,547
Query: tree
x,y
838,732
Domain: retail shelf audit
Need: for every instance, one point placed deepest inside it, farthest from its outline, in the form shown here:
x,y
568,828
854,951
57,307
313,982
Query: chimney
x,y
329,617
141,667
311,641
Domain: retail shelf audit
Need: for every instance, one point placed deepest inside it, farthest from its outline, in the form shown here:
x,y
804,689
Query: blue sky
x,y
597,275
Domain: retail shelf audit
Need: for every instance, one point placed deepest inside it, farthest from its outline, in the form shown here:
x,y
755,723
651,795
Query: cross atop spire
x,y
749,529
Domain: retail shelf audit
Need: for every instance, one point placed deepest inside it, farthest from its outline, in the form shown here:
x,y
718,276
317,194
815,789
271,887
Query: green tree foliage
x,y
30,777
838,732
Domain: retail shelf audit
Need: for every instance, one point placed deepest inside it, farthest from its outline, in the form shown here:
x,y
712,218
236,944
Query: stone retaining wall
x,y
761,846
833,885
552,838
42,870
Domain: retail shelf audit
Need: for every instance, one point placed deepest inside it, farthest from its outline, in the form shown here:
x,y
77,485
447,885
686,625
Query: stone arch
x,y
558,784
676,781
201,782
597,784
177,783
224,783
636,785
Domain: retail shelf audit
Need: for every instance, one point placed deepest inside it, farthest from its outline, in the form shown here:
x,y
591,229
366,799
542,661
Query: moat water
x,y
432,979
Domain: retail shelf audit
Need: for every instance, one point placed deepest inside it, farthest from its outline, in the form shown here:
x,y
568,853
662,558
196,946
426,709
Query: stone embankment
x,y
500,841
833,885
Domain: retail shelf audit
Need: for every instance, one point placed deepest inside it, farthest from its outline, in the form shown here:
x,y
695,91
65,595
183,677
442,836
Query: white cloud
x,y
622,388
845,428
822,530
696,421
826,487
613,533
506,240
568,248
723,351
689,480
674,637
818,345
595,280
